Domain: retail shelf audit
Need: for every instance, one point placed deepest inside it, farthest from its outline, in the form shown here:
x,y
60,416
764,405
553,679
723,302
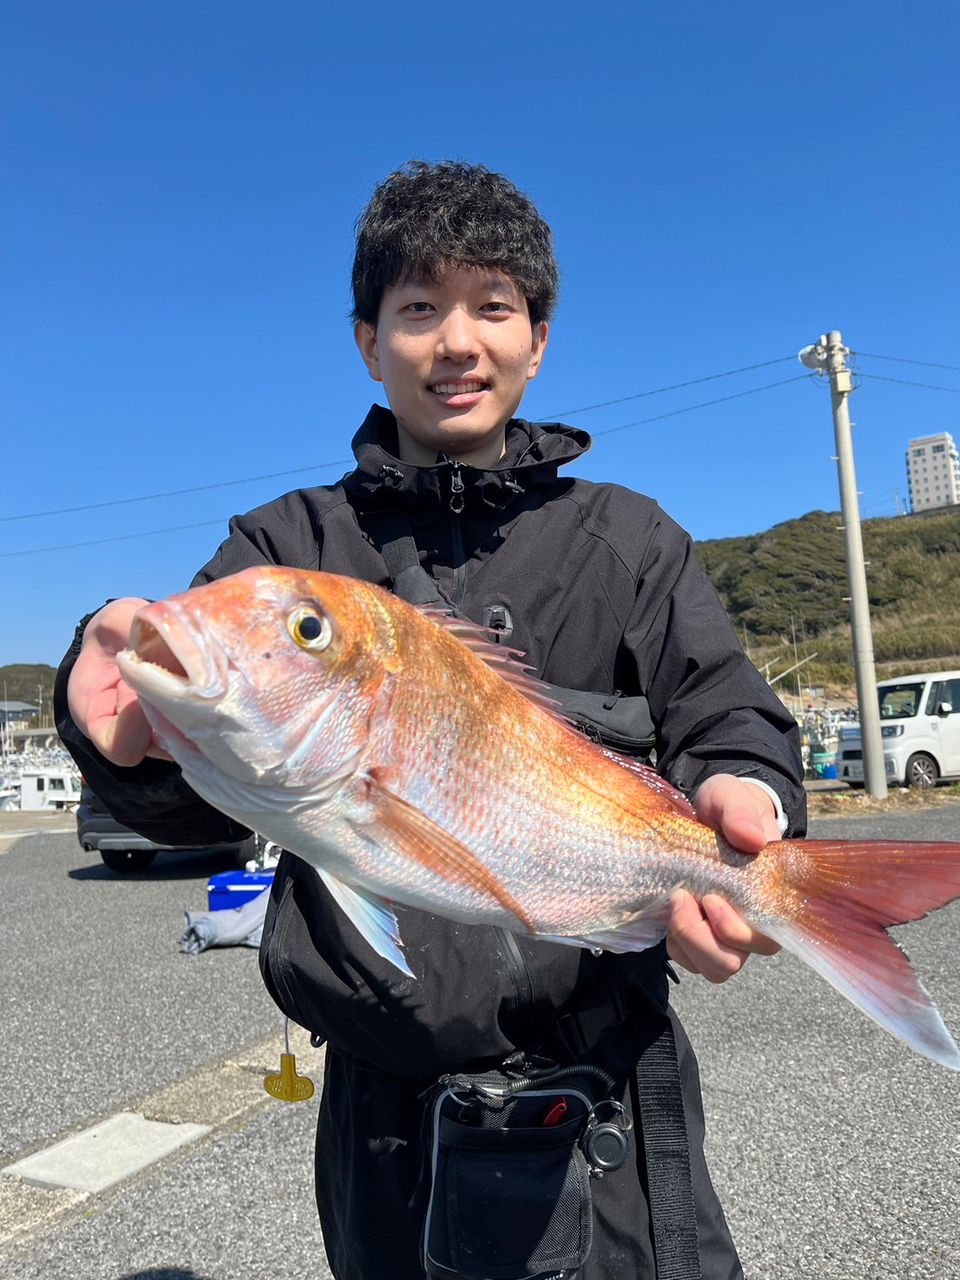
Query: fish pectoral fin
x,y
393,821
372,917
637,932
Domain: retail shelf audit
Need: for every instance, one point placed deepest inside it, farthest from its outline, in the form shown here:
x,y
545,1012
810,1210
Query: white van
x,y
920,724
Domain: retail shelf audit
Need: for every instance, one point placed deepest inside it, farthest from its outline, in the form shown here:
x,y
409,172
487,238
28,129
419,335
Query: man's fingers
x,y
692,942
730,928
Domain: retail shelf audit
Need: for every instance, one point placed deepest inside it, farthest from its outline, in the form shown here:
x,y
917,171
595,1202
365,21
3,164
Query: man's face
x,y
455,358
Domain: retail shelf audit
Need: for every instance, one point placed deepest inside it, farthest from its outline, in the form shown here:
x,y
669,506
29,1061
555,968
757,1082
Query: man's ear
x,y
541,333
365,335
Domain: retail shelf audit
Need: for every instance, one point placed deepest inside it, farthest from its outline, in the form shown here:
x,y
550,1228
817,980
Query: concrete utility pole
x,y
827,356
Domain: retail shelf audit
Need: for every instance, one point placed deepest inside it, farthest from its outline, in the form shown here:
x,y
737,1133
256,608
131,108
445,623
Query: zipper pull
x,y
456,490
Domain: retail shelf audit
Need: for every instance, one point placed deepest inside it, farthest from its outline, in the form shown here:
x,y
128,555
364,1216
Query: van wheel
x,y
130,862
922,771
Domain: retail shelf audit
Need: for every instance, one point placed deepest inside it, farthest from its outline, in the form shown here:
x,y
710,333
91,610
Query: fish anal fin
x,y
638,932
418,837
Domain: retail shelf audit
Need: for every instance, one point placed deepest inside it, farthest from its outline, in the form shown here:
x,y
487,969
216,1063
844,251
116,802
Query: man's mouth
x,y
460,392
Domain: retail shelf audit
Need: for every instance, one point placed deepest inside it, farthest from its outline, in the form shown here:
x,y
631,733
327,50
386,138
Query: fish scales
x,y
411,760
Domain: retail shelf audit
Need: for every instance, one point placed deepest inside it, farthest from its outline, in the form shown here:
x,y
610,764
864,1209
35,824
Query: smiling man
x,y
456,500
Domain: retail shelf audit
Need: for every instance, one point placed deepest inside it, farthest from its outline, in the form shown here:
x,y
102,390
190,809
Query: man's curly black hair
x,y
425,218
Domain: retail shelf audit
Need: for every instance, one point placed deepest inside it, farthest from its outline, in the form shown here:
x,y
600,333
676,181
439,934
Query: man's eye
x,y
497,308
419,308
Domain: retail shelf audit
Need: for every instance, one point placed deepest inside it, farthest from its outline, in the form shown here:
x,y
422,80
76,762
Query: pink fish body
x,y
409,759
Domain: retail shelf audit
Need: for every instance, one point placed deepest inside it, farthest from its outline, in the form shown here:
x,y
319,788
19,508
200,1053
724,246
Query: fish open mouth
x,y
168,655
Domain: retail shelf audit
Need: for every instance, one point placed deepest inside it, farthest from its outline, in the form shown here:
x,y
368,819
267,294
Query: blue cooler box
x,y
234,888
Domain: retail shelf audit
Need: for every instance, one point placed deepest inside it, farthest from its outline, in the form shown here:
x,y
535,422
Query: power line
x,y
903,360
151,533
345,462
175,493
800,377
124,537
878,377
676,386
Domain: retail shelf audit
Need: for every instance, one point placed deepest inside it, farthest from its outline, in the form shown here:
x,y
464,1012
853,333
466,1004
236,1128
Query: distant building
x,y
933,472
16,714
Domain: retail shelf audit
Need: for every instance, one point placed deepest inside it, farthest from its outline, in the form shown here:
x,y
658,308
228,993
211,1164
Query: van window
x,y
900,701
57,784
950,692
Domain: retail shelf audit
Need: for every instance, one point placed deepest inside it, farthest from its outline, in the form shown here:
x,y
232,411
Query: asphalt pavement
x,y
835,1149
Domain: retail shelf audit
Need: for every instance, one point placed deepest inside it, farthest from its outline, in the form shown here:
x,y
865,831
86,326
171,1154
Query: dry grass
x,y
851,804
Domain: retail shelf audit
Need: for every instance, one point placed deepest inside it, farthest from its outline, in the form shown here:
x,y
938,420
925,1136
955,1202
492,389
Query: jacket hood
x,y
535,451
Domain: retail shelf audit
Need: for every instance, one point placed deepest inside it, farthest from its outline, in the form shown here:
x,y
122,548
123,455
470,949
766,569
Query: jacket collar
x,y
535,452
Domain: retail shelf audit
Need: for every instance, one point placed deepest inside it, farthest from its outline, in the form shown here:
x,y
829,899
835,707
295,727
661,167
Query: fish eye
x,y
310,629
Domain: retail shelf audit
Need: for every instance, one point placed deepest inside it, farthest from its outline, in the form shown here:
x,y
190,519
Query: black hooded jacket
x,y
603,592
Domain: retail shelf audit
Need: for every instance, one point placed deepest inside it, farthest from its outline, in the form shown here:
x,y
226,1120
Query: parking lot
x,y
835,1149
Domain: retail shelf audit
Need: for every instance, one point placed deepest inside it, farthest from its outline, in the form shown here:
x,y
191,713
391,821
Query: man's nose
x,y
457,338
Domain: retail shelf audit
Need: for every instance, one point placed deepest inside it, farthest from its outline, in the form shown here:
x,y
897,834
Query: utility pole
x,y
827,357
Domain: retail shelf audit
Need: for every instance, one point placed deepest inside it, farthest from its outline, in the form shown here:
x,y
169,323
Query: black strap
x,y
673,1214
659,1092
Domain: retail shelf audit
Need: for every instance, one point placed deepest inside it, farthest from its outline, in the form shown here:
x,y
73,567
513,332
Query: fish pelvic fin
x,y
418,837
845,896
372,917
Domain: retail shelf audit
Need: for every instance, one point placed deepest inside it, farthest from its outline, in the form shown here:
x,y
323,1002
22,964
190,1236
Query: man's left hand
x,y
709,937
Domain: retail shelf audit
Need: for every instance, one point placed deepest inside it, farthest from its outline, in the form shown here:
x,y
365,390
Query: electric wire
x,y
657,391
151,533
738,395
176,493
123,537
927,364
346,462
927,386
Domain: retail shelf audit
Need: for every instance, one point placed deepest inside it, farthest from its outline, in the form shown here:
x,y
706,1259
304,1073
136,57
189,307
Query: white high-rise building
x,y
933,472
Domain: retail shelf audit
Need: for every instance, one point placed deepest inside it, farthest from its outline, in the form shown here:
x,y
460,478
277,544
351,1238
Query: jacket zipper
x,y
456,509
522,982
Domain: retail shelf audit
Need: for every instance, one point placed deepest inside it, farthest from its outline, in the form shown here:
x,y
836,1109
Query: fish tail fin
x,y
842,898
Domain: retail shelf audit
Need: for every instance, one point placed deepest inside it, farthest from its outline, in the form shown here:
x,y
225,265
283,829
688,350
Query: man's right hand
x,y
103,706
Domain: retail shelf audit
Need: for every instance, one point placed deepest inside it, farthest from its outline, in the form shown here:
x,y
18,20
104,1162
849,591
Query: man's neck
x,y
479,454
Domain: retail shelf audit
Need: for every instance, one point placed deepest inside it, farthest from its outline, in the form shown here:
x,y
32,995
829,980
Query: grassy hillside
x,y
785,588
31,683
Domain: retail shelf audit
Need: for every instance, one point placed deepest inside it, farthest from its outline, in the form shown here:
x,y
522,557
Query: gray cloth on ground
x,y
229,927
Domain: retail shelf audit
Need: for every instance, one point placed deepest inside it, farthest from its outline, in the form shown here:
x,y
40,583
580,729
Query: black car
x,y
124,850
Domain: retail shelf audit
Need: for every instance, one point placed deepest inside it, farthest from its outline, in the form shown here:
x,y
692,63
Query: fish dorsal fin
x,y
394,822
510,664
653,780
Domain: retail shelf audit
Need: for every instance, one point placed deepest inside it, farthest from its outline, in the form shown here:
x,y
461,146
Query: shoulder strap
x,y
411,582
666,1149
622,723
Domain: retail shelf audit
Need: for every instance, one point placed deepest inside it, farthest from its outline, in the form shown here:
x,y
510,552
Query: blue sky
x,y
725,182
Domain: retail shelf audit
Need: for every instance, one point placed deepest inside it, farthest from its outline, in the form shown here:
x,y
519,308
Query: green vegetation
x,y
785,589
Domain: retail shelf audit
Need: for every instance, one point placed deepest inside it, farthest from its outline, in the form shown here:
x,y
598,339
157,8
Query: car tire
x,y
129,862
921,771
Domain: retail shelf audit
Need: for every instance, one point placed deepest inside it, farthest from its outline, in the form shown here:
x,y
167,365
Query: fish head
x,y
266,679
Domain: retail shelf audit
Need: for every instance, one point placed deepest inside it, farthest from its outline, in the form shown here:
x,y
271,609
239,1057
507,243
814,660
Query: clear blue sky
x,y
725,182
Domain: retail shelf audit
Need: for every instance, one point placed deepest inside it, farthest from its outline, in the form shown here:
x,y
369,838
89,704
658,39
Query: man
x,y
453,498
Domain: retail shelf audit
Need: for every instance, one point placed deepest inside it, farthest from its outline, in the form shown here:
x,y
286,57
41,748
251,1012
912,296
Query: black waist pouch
x,y
509,1194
